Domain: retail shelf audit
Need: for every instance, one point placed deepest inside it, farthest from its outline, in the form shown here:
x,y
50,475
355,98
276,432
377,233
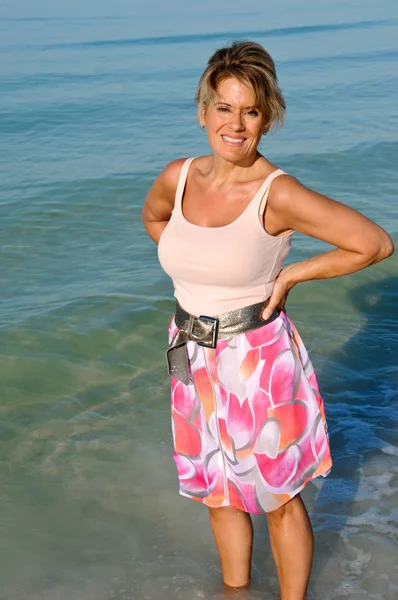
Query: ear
x,y
266,127
202,116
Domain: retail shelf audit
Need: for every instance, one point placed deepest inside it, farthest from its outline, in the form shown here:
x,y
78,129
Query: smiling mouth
x,y
233,141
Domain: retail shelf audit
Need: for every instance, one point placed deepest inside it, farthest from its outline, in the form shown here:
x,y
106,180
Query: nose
x,y
236,121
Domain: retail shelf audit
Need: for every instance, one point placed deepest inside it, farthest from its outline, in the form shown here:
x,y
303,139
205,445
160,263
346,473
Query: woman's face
x,y
234,124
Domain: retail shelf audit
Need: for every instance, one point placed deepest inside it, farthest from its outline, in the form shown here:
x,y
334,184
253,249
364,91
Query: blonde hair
x,y
250,64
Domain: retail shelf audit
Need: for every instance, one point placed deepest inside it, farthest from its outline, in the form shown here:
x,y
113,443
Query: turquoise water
x,y
92,107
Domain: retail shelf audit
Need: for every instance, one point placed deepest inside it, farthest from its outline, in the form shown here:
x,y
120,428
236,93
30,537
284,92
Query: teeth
x,y
233,140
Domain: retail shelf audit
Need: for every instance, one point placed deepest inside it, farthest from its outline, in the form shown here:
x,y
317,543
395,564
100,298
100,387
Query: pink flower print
x,y
319,439
304,389
226,442
205,391
249,364
268,439
250,430
221,345
186,436
269,354
248,494
240,422
292,418
282,378
312,380
215,476
193,480
260,405
211,364
300,346
228,368
183,400
223,397
174,383
265,335
278,472
235,498
186,469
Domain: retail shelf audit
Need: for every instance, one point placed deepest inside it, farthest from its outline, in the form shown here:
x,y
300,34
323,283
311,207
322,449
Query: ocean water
x,y
94,102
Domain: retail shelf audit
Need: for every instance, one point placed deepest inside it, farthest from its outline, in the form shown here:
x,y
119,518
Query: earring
x,y
202,125
265,132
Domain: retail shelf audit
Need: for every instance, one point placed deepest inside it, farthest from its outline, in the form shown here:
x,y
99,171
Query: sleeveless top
x,y
219,269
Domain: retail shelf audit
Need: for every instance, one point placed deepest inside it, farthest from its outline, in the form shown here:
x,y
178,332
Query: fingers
x,y
272,305
276,301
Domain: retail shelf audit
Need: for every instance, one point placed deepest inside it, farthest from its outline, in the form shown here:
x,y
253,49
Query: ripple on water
x,y
89,503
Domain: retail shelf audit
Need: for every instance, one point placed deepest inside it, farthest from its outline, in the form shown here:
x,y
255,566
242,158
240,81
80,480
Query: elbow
x,y
374,251
384,249
387,248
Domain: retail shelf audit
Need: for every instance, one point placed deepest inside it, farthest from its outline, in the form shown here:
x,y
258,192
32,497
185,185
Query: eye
x,y
253,113
222,109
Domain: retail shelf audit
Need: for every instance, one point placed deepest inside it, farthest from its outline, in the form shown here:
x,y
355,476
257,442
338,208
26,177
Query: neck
x,y
223,169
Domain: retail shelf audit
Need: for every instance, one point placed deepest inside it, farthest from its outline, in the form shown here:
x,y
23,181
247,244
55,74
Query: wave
x,y
378,153
59,19
216,36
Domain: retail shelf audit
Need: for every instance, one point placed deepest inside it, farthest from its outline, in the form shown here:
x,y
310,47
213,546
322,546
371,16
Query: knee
x,y
291,508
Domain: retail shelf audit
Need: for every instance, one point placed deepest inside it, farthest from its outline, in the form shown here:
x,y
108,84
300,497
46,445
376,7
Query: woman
x,y
249,425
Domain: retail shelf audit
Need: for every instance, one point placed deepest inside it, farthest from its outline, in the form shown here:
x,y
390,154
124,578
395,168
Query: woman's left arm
x,y
359,242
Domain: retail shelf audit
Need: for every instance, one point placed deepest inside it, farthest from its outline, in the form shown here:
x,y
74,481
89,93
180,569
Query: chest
x,y
212,206
233,255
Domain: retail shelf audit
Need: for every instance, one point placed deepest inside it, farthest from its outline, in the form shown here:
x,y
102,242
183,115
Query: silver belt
x,y
205,331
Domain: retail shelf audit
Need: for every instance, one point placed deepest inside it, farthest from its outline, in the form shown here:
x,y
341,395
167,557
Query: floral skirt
x,y
250,429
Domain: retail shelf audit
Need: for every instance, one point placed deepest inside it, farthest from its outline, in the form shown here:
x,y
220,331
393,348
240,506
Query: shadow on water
x,y
359,384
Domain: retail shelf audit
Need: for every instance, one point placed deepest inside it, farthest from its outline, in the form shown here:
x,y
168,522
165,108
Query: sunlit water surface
x,y
91,110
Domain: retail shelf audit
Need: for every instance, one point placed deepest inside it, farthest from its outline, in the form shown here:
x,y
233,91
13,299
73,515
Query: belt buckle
x,y
214,322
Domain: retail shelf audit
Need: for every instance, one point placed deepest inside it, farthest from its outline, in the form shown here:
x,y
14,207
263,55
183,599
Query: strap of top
x,y
264,190
262,193
182,181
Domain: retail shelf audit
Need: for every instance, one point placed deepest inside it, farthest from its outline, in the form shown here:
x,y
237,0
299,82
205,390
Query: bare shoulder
x,y
161,195
159,202
172,171
168,178
289,196
283,189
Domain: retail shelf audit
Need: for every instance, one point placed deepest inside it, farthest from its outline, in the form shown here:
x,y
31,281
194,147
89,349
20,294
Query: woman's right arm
x,y
159,202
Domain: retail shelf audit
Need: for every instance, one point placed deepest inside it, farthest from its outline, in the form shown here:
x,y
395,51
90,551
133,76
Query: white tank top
x,y
219,269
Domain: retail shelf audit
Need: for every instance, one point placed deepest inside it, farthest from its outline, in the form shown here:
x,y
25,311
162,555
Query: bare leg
x,y
292,546
233,533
